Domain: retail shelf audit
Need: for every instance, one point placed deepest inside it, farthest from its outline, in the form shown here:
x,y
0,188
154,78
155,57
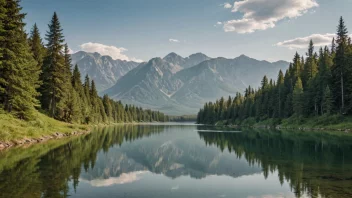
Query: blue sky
x,y
143,29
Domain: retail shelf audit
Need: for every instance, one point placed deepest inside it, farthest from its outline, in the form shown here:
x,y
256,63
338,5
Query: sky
x,y
139,30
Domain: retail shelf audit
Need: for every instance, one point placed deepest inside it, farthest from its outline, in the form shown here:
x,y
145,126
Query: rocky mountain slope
x,y
173,86
102,69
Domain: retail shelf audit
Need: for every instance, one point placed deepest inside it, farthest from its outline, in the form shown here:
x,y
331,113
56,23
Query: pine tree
x,y
94,117
298,97
67,59
68,104
280,88
76,78
324,76
72,111
54,75
327,101
107,107
37,46
311,68
18,70
296,68
339,67
2,37
86,88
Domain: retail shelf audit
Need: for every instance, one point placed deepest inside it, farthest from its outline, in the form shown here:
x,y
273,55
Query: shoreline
x,y
42,139
279,127
27,141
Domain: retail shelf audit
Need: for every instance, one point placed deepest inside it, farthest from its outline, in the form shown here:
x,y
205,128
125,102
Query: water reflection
x,y
176,161
313,163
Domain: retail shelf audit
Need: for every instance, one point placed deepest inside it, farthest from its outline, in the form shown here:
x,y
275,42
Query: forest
x,y
318,84
37,77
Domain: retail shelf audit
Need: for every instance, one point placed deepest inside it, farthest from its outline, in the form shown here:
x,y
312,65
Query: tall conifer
x,y
54,75
18,70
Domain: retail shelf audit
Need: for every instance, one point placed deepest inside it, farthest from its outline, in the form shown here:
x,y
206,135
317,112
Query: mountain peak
x,y
172,55
155,61
198,55
243,56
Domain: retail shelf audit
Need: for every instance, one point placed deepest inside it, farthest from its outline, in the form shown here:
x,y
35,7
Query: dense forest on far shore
x,y
36,77
318,85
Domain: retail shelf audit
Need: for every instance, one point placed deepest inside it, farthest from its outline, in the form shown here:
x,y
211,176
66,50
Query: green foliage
x,y
28,67
18,70
327,101
298,97
340,69
311,87
37,47
54,74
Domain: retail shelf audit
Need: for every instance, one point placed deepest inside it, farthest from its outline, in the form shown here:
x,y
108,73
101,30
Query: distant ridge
x,y
102,69
178,86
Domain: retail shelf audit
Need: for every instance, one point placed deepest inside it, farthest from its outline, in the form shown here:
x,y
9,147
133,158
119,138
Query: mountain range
x,y
172,153
178,86
174,85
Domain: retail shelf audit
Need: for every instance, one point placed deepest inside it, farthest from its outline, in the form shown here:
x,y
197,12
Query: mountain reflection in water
x,y
181,161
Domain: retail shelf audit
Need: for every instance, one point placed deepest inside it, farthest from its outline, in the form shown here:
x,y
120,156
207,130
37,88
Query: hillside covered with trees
x,y
37,77
316,85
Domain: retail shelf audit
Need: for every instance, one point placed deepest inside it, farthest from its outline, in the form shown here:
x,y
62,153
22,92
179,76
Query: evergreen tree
x,y
339,67
296,68
67,59
68,104
2,37
54,71
18,70
298,97
280,88
76,78
107,107
37,46
327,101
311,68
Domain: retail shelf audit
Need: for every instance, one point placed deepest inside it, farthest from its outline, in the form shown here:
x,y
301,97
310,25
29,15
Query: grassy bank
x,y
12,129
326,122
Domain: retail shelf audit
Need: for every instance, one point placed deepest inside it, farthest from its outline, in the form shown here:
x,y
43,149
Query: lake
x,y
181,160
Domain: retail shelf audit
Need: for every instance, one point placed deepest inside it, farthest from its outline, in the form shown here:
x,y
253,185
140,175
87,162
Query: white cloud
x,y
174,40
243,26
124,178
264,14
218,24
302,42
114,52
227,5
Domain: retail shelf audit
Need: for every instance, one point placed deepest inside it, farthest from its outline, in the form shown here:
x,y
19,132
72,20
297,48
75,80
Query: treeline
x,y
34,76
315,85
183,118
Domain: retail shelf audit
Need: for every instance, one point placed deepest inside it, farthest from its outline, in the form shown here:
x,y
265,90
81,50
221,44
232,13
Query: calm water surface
x,y
175,160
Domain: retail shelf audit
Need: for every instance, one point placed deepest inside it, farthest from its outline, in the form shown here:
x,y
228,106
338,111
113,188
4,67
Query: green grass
x,y
327,122
12,128
16,154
